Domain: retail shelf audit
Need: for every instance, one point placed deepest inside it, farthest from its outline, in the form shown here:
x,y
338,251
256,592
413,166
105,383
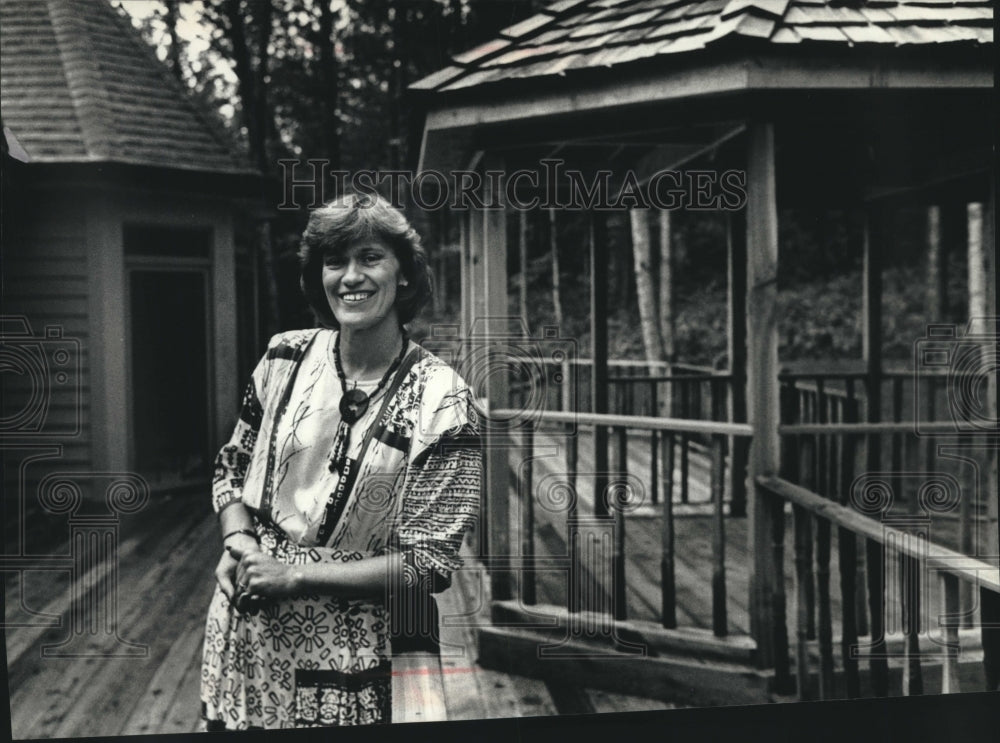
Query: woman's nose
x,y
352,273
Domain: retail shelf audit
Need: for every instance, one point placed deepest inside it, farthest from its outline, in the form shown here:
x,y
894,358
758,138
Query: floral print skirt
x,y
301,662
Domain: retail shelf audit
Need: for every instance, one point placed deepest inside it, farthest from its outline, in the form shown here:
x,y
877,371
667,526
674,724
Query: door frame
x,y
170,264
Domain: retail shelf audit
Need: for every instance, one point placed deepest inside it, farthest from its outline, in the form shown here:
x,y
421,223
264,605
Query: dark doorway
x,y
170,374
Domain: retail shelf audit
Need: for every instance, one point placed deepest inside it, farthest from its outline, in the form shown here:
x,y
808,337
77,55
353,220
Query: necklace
x,y
354,402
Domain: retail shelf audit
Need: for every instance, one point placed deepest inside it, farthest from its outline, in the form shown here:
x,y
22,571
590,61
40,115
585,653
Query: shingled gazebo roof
x,y
79,85
584,73
570,36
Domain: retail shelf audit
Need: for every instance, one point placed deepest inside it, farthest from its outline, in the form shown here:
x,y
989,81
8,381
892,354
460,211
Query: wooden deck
x,y
166,558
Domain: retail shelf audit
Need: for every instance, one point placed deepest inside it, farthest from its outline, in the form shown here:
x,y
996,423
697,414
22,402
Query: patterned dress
x,y
321,660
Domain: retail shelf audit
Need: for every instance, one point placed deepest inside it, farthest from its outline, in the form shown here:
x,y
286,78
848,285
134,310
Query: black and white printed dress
x,y
319,660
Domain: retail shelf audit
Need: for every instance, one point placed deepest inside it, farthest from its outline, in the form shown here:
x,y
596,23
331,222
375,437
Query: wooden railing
x,y
689,392
883,542
668,439
836,474
903,435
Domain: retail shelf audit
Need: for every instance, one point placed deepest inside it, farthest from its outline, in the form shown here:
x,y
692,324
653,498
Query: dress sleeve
x,y
442,491
234,458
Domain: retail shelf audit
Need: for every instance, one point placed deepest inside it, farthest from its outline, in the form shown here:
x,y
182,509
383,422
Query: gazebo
x,y
865,106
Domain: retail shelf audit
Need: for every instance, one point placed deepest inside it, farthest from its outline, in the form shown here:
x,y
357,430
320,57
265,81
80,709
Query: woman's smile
x,y
355,297
361,283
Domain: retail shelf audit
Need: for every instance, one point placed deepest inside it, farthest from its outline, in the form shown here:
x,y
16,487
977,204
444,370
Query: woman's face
x,y
361,284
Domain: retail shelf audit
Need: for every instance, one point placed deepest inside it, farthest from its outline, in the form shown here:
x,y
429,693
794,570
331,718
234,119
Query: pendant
x,y
353,405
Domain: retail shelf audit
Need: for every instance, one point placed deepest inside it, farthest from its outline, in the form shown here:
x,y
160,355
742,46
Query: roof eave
x,y
452,117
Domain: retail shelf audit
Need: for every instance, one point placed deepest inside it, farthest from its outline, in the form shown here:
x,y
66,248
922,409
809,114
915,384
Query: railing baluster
x,y
896,441
720,621
572,459
879,665
528,595
668,591
788,401
803,536
930,442
654,477
738,450
685,413
826,690
618,567
909,569
949,622
807,478
685,466
654,467
779,603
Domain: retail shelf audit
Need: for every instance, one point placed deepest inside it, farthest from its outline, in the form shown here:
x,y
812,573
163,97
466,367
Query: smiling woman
x,y
344,493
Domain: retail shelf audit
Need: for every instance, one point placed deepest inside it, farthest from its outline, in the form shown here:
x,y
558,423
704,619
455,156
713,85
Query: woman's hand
x,y
225,572
260,575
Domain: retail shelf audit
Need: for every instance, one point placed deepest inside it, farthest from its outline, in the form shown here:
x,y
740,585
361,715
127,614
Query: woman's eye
x,y
333,261
371,258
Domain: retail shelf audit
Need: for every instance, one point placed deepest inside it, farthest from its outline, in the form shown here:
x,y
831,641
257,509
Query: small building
x,y
128,290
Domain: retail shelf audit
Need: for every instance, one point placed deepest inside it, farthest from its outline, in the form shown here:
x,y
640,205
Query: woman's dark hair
x,y
347,220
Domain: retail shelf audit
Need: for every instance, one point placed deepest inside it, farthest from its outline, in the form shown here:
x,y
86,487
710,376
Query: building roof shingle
x,y
584,34
79,84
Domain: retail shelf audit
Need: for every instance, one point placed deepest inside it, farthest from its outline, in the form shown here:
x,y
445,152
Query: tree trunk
x,y
977,266
937,268
645,286
554,247
174,52
522,246
667,322
328,70
258,120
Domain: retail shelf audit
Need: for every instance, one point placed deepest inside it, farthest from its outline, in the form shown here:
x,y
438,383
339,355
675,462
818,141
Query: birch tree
x,y
645,287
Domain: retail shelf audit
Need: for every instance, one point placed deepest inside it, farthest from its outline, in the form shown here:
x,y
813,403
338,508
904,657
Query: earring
x,y
404,282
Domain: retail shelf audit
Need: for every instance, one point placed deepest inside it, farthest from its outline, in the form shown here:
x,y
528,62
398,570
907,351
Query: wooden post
x,y
668,588
949,604
737,350
720,620
489,250
619,555
522,249
666,307
989,601
528,594
762,379
599,352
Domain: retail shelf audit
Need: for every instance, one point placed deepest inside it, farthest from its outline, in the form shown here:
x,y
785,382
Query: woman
x,y
353,471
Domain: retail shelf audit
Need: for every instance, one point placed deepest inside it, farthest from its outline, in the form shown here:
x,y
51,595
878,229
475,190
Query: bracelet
x,y
248,532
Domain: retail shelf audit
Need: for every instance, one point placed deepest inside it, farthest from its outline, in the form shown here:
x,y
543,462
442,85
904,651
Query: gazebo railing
x,y
599,586
886,553
814,518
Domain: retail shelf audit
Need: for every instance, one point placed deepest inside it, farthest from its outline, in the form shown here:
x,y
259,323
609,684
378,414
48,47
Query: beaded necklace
x,y
354,403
